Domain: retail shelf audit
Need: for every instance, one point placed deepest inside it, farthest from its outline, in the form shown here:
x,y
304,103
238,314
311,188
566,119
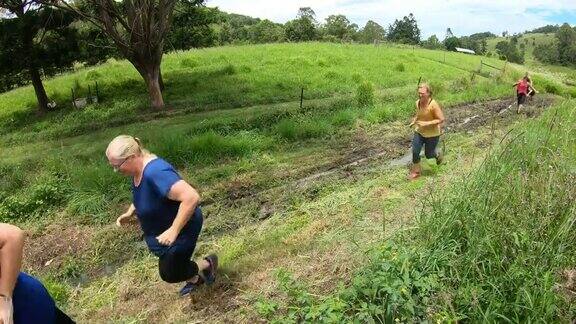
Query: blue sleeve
x,y
163,179
32,302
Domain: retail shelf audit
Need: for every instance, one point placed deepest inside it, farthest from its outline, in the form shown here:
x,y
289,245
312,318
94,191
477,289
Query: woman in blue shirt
x,y
23,299
167,209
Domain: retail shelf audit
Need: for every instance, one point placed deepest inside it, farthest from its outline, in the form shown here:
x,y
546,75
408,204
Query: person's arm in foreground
x,y
11,246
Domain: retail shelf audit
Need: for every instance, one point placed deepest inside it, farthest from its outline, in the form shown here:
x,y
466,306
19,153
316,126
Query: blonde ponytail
x,y
124,146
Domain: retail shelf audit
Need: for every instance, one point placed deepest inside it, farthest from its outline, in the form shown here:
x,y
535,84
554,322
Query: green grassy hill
x,y
566,75
530,41
295,197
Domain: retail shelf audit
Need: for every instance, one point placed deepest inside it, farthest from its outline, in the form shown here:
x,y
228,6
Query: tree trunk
x,y
39,90
151,75
155,92
160,80
33,69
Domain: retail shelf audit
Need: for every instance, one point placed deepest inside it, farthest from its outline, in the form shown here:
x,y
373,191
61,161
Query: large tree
x,y
372,32
307,13
35,40
562,50
451,43
432,43
405,31
138,28
546,53
545,29
266,31
339,26
191,27
303,28
566,37
509,51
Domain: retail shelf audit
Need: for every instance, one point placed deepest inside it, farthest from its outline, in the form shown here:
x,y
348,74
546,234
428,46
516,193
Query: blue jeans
x,y
429,144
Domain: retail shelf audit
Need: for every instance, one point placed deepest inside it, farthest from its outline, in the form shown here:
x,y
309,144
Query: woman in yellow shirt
x,y
428,122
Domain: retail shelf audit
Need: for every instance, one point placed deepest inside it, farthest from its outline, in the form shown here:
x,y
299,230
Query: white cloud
x,y
464,17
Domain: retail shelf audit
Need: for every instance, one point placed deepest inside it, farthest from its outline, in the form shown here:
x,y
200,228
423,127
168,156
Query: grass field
x,y
530,41
566,75
295,198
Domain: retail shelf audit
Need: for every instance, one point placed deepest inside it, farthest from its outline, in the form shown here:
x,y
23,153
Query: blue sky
x,y
464,17
563,16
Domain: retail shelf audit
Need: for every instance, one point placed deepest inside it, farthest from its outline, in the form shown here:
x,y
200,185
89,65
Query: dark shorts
x,y
521,98
429,144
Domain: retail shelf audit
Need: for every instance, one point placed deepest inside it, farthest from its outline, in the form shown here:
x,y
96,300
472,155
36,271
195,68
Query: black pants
x,y
174,261
521,98
175,265
62,318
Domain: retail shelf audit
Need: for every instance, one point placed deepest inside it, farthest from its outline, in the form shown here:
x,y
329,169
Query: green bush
x,y
462,83
546,85
343,118
59,291
189,62
550,87
392,288
93,75
331,75
437,87
13,178
302,128
383,114
37,200
207,147
357,77
322,63
400,67
365,94
244,69
229,69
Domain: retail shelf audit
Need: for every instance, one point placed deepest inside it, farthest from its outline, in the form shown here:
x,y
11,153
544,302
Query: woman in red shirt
x,y
522,87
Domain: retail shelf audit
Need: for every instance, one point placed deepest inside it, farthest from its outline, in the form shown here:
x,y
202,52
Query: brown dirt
x,y
220,298
567,286
469,117
238,189
49,248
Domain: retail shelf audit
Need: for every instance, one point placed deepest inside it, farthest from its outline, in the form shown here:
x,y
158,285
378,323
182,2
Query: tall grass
x,y
489,249
303,127
508,228
208,147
